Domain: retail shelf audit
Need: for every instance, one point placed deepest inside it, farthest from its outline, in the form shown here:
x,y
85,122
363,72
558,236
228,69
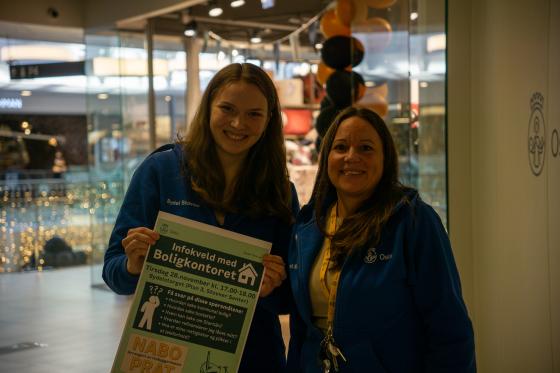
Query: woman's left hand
x,y
274,274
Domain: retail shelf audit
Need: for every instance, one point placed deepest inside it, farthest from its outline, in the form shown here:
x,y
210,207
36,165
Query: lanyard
x,y
330,295
329,352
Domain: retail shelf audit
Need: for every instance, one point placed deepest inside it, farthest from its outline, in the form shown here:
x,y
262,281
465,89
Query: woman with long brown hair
x,y
371,268
230,171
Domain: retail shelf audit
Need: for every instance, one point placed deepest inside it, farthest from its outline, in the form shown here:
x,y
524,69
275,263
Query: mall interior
x,y
88,88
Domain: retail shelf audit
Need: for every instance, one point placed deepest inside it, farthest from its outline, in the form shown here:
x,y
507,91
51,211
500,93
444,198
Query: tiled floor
x,y
79,325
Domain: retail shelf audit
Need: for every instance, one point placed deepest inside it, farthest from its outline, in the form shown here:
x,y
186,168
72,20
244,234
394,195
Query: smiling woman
x,y
229,171
368,248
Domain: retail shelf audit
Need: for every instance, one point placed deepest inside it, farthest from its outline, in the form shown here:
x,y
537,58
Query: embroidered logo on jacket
x,y
372,256
182,202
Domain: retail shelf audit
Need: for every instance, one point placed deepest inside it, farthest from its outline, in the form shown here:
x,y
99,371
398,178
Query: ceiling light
x,y
190,29
319,46
423,84
24,125
103,96
413,16
256,39
215,10
267,4
25,93
237,3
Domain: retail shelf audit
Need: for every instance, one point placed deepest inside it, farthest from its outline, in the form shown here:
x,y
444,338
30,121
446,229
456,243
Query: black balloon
x,y
340,52
342,87
325,119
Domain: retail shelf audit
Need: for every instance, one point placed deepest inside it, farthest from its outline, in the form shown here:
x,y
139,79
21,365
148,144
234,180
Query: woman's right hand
x,y
135,246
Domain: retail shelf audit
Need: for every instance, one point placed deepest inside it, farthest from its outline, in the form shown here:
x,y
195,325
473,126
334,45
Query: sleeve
x,y
279,301
139,209
297,336
437,294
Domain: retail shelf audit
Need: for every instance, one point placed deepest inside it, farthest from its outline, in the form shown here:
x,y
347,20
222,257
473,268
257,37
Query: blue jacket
x,y
160,184
398,311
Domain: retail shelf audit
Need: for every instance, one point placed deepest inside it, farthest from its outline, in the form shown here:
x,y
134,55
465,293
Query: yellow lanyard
x,y
330,294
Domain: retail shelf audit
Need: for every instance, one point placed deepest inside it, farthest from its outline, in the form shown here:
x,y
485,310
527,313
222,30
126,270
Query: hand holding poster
x,y
194,301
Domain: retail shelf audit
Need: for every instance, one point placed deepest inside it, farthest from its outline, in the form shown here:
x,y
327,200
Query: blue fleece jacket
x,y
399,307
159,183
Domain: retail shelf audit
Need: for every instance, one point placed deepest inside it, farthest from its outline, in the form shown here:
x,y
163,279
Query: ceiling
x,y
239,24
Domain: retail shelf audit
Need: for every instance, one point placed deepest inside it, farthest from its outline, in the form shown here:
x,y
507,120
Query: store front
x,y
126,104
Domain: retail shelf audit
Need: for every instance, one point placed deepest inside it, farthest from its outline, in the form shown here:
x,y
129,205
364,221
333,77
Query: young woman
x,y
371,267
230,171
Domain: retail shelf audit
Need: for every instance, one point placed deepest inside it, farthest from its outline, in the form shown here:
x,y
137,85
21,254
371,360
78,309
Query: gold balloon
x,y
375,102
381,90
332,26
344,11
379,33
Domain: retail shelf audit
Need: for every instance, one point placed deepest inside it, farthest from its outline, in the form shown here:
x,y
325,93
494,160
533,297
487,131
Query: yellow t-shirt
x,y
320,297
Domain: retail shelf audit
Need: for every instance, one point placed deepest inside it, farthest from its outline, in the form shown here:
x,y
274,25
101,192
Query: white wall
x,y
500,53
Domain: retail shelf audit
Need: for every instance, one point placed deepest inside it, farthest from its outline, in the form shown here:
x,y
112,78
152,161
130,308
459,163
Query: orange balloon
x,y
361,11
332,26
379,33
344,11
360,92
323,72
380,4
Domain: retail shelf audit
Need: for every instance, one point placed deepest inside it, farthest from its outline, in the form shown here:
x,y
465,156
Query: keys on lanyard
x,y
330,353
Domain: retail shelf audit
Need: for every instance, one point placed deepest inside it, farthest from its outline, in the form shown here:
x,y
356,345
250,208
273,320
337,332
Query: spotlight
x,y
256,38
237,3
215,10
190,29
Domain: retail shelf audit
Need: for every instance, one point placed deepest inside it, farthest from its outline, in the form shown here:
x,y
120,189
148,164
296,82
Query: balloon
x,y
325,103
343,88
331,26
344,11
374,102
361,11
378,33
380,4
325,119
323,72
340,51
380,89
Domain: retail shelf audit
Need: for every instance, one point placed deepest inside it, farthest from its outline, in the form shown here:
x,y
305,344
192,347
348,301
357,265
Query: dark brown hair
x,y
365,225
262,187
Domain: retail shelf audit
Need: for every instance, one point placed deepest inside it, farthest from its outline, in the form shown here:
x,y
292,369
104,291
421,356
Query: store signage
x,y
11,103
47,70
537,134
537,140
